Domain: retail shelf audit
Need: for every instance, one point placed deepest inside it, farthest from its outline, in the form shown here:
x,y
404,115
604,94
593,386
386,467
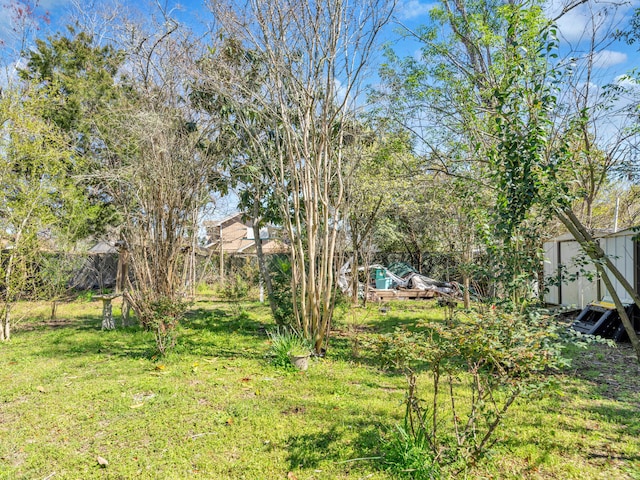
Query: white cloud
x,y
592,18
410,9
573,26
626,81
608,58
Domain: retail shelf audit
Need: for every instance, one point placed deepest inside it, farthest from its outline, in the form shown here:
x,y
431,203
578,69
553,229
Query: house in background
x,y
582,285
104,263
235,237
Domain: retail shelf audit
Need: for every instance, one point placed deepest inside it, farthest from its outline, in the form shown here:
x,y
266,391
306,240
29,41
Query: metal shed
x,y
581,285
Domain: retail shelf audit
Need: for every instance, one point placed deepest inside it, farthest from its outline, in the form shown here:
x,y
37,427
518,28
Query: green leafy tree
x,y
481,61
230,76
34,155
512,84
305,57
375,175
77,76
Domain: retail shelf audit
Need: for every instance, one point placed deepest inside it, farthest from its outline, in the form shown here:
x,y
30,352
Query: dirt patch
x,y
351,331
294,410
45,324
614,369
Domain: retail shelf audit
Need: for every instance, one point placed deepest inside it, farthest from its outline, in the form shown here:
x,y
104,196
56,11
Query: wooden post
x,y
126,308
221,258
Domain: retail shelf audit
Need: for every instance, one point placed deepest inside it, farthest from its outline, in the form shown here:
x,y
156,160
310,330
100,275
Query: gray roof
x,y
103,247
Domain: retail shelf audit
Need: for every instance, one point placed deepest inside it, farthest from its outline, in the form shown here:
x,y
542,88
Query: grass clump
x,y
407,457
285,343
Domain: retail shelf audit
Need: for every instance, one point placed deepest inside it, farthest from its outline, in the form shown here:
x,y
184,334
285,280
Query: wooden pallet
x,y
400,294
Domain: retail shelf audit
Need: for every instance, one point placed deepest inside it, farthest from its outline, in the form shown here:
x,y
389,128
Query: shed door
x,y
580,286
552,294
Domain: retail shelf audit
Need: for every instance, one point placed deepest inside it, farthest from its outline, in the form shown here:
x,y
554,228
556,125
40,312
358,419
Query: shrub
x,y
280,270
162,317
478,365
234,290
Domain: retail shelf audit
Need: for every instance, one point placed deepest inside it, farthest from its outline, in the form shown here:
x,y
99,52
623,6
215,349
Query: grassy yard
x,y
216,408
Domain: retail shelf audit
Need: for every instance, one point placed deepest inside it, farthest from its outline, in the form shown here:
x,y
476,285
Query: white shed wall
x,y
584,288
620,250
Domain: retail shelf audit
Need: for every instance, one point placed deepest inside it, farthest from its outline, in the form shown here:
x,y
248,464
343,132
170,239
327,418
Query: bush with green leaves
x,y
477,365
234,290
280,271
162,317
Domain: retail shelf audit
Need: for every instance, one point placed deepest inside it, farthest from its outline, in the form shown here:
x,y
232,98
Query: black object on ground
x,y
602,319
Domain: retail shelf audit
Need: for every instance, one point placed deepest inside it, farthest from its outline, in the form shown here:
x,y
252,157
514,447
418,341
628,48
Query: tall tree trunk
x,y
466,297
359,237
355,265
221,259
5,329
262,265
466,279
600,260
7,325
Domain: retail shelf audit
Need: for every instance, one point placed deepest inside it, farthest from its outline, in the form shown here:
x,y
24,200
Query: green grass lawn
x,y
216,408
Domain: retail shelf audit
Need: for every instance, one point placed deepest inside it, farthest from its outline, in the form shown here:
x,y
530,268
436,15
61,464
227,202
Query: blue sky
x,y
613,59
574,31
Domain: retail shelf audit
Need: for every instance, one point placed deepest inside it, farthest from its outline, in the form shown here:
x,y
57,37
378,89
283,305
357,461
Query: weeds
x,y
85,296
410,457
234,290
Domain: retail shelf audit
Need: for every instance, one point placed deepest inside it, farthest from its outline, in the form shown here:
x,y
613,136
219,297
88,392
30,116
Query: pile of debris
x,y
399,281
